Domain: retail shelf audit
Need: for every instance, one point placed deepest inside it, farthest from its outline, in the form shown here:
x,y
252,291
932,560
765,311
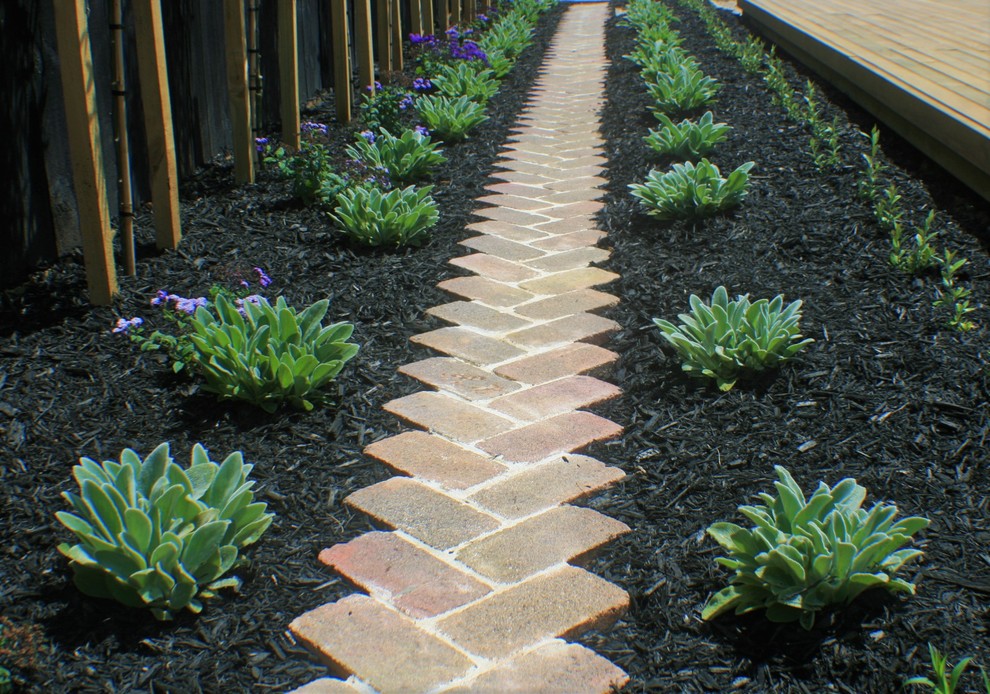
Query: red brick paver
x,y
475,582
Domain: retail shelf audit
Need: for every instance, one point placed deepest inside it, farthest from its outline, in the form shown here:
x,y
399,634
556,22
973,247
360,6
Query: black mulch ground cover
x,y
69,388
886,394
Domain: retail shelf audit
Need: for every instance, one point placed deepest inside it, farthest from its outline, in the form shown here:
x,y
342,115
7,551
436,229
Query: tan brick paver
x,y
474,583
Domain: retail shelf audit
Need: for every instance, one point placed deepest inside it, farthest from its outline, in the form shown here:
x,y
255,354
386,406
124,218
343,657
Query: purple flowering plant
x,y
310,168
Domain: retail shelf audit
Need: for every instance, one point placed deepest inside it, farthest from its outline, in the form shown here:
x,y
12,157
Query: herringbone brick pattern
x,y
478,578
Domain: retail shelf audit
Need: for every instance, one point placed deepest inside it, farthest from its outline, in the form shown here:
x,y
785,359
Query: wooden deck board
x,y
920,66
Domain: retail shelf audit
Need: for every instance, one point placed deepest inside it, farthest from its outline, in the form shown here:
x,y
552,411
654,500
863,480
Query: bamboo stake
x,y
237,89
288,66
254,74
155,99
126,223
83,127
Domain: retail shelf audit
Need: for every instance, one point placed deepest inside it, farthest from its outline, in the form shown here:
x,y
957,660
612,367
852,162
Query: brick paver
x,y
475,583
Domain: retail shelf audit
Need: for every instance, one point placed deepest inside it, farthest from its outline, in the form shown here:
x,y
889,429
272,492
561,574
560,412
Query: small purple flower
x,y
124,324
482,18
406,102
260,143
422,84
161,297
452,33
253,299
189,305
421,131
263,279
245,284
369,136
377,87
309,128
467,32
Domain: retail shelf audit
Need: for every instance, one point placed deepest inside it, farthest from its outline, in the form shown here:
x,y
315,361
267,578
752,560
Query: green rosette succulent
x,y
804,555
152,534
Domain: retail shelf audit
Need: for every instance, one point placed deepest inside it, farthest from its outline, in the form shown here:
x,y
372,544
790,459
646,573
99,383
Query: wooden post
x,y
237,89
444,14
428,23
288,68
469,11
341,61
254,72
76,67
362,43
415,17
397,37
155,99
125,221
455,11
385,35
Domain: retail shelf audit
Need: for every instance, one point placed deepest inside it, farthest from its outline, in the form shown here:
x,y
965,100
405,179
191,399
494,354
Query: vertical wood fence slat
x,y
363,43
126,207
415,16
76,65
455,11
397,37
341,61
428,23
254,72
385,35
444,14
235,47
288,68
469,10
156,100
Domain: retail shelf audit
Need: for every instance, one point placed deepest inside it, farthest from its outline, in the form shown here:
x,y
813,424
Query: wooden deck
x,y
922,67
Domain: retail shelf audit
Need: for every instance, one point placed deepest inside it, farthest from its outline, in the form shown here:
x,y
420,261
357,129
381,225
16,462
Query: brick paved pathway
x,y
478,582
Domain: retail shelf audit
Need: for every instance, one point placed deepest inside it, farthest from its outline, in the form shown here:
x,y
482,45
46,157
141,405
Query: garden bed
x,y
887,394
70,388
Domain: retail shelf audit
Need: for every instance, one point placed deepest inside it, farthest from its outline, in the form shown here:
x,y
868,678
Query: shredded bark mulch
x,y
886,395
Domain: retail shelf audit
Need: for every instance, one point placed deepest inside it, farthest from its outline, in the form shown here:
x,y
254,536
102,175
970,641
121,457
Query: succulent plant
x,y
152,534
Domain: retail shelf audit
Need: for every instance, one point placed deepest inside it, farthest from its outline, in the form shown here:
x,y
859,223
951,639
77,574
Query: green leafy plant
x,y
945,682
691,190
310,168
385,107
267,355
728,338
451,119
804,555
509,36
869,185
953,297
689,140
887,209
152,534
464,80
920,256
400,217
681,91
407,158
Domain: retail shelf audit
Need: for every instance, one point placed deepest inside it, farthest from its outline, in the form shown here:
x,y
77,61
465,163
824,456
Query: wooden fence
x,y
198,77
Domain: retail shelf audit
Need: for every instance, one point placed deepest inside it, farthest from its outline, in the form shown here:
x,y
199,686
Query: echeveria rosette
x,y
726,339
267,354
804,555
152,534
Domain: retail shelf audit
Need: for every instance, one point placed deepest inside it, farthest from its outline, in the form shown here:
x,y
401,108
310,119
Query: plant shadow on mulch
x,y
886,394
69,388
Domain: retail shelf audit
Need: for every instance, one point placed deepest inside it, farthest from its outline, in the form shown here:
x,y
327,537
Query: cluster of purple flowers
x,y
422,84
369,136
420,130
180,303
260,143
422,39
483,18
252,299
406,102
468,50
125,324
310,128
377,87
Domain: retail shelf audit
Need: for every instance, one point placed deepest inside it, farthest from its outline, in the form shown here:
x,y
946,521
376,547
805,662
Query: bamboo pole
x,y
237,89
119,89
363,43
396,17
153,72
385,35
288,67
83,129
341,61
254,73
